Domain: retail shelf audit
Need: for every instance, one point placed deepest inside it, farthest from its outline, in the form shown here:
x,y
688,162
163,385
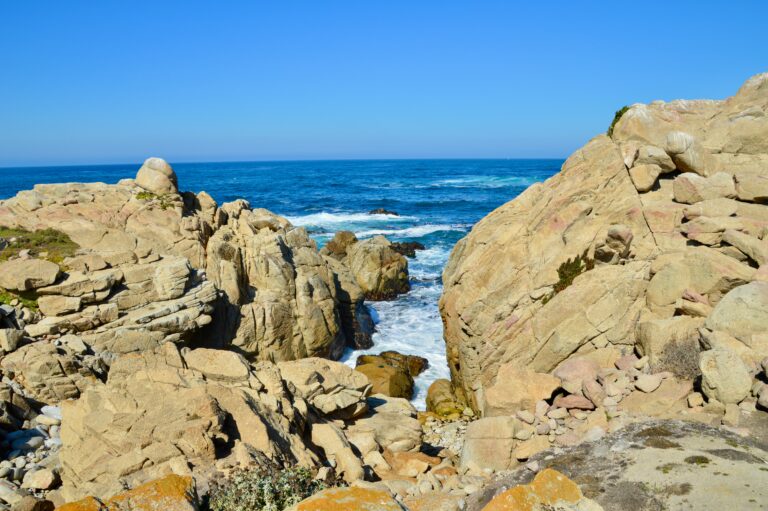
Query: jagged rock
x,y
337,247
27,274
51,375
652,155
158,414
397,430
724,376
407,248
689,155
157,176
754,248
644,176
336,447
9,338
356,320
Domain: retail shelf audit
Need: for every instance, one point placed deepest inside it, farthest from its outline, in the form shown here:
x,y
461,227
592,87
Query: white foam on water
x,y
411,323
334,220
410,232
485,182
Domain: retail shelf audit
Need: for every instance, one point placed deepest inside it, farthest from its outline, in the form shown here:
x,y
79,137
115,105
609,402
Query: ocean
x,y
437,201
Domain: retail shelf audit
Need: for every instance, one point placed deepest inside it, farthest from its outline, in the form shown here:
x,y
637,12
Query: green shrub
x,y
55,244
165,201
616,118
264,490
681,358
568,271
28,299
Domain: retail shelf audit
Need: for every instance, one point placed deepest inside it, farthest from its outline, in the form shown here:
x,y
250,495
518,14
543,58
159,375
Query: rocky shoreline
x,y
606,334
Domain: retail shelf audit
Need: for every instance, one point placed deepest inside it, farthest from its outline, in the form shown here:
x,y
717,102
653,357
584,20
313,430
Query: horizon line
x,y
274,160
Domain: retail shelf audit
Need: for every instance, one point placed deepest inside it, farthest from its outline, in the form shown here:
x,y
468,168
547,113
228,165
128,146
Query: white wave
x,y
326,219
485,182
410,232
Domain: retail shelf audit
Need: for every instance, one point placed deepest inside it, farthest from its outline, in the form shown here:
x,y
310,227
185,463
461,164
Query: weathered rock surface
x,y
349,499
166,411
170,493
653,465
637,242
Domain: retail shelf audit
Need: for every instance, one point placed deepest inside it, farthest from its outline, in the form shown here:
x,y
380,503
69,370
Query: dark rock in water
x,y
382,211
407,248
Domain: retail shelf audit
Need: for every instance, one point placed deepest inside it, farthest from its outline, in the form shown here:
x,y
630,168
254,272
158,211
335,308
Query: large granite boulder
x,y
636,229
157,177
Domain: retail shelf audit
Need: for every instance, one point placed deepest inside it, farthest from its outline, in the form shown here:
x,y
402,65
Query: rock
x,y
689,155
412,364
349,499
380,271
648,382
575,371
382,211
549,490
516,390
644,176
159,413
530,447
489,443
48,374
670,344
692,188
537,281
574,401
43,479
27,274
340,243
170,493
397,431
388,380
407,248
752,188
30,503
9,339
441,400
652,155
725,377
754,248
157,177
652,465
743,313
57,305
335,445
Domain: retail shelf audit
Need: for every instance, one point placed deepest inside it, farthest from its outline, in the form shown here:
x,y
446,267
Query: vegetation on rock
x,y
165,200
48,244
568,271
616,118
265,490
27,299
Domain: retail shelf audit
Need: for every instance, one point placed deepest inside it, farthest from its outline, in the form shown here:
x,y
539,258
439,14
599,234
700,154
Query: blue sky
x,y
116,81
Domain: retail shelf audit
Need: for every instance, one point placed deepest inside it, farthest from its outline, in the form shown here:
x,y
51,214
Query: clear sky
x,y
116,81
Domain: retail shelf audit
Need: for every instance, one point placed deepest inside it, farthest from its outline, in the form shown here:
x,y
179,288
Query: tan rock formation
x,y
635,230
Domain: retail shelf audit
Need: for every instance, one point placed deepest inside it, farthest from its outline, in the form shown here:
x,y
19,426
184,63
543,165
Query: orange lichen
x,y
169,493
548,488
349,499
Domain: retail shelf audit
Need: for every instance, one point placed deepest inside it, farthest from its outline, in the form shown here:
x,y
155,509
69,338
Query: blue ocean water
x,y
438,202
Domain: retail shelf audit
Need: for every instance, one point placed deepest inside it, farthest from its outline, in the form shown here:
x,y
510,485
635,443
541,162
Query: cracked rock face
x,y
665,219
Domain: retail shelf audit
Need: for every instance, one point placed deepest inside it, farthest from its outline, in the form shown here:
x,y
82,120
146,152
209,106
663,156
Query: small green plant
x,y
568,271
55,245
27,299
264,490
165,201
616,118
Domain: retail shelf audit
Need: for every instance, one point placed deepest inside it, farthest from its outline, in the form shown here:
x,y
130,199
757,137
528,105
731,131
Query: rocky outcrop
x,y
649,241
171,493
158,265
391,373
